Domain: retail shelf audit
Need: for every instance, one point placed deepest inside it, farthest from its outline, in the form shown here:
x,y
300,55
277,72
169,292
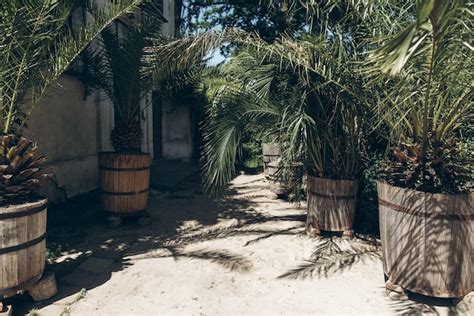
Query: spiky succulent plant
x,y
21,170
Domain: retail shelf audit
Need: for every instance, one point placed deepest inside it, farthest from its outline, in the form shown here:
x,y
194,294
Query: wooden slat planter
x,y
22,245
331,205
271,152
277,185
124,182
427,240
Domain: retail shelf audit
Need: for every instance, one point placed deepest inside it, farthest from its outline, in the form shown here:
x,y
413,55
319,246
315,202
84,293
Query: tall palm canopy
x,y
341,83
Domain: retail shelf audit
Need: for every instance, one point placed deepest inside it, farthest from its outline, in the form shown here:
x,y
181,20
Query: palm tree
x,y
114,65
426,71
242,106
326,95
427,101
39,41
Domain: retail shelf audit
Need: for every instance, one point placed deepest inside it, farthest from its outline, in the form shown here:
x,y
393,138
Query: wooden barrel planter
x,y
22,245
331,205
271,152
124,181
281,186
427,241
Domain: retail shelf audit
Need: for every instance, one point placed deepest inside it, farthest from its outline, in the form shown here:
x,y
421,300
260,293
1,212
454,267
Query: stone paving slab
x,y
96,265
80,278
114,255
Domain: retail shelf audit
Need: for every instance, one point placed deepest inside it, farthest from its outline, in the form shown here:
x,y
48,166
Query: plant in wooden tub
x,y
271,152
37,46
288,82
115,66
22,214
425,195
334,148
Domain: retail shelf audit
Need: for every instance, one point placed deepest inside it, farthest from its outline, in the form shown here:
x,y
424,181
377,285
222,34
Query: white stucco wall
x,y
70,130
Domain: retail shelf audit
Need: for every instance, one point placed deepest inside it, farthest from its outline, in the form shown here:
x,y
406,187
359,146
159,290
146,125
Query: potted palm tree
x,y
326,129
334,151
271,152
425,195
37,46
114,66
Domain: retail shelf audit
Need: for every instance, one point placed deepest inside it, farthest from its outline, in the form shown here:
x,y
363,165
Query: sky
x,y
215,58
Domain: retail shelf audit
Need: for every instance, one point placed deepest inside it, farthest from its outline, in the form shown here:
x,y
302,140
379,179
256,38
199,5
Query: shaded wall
x,y
71,129
176,125
177,137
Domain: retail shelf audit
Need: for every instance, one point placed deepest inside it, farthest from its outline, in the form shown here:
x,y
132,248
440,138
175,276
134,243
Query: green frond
x,y
38,45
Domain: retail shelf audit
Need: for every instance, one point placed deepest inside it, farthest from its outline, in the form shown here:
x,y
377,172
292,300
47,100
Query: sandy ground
x,y
245,256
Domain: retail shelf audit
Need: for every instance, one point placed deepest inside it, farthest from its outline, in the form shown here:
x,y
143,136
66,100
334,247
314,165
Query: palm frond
x,y
427,96
39,43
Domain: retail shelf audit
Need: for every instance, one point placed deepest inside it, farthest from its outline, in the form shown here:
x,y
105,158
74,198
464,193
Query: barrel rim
x,y
23,213
123,154
124,169
385,183
21,207
271,144
410,210
353,181
435,216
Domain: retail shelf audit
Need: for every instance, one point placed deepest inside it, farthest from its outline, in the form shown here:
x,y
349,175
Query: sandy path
x,y
253,258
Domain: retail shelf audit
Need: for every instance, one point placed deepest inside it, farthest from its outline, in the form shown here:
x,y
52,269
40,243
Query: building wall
x,y
71,129
176,139
169,28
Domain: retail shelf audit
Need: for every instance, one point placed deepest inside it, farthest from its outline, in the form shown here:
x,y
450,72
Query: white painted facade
x,y
72,129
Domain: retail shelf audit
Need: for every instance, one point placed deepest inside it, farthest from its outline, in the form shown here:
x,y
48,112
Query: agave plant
x,y
39,41
427,100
